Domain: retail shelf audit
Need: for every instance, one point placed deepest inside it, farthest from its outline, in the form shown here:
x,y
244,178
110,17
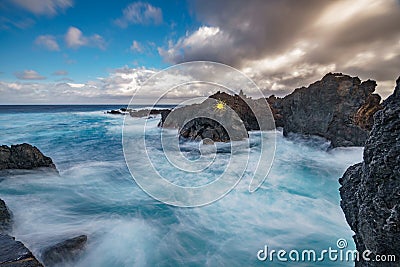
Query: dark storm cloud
x,y
286,44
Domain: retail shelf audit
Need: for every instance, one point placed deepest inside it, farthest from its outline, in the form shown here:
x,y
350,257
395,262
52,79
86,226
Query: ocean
x,y
296,208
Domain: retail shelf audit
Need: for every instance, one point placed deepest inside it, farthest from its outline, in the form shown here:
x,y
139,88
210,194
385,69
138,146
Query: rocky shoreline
x,y
14,253
339,108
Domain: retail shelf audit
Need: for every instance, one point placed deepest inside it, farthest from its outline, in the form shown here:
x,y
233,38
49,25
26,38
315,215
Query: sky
x,y
88,52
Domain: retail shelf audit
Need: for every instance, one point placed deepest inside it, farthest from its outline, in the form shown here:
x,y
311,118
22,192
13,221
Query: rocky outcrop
x,y
275,103
23,156
14,254
206,121
5,218
204,128
370,190
338,108
239,105
65,251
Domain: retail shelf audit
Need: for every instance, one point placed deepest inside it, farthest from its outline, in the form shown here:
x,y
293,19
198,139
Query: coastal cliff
x,y
370,190
339,108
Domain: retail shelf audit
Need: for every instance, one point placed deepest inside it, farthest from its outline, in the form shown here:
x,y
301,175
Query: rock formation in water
x,y
14,254
338,108
204,128
239,103
65,251
206,121
370,190
23,156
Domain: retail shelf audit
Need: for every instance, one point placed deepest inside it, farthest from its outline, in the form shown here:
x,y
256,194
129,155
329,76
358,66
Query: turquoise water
x,y
297,207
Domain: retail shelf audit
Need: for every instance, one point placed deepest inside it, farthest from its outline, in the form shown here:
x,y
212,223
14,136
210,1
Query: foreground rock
x,y
14,254
370,190
23,156
66,251
5,218
338,108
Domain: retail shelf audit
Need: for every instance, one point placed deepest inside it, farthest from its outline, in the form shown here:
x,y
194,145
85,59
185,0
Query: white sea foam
x,y
296,207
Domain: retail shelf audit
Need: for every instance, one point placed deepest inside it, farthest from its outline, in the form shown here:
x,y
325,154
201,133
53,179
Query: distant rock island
x,y
370,190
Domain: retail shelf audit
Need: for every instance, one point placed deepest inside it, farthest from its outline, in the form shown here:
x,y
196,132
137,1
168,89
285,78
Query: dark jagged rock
x,y
5,218
206,121
370,190
65,251
364,116
242,109
275,103
23,156
14,254
338,108
204,128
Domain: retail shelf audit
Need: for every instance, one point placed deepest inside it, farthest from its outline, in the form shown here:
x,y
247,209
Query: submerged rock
x,y
14,254
370,190
5,218
338,108
23,156
64,251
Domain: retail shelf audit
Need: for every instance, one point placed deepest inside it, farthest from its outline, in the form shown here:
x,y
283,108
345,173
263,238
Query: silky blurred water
x,y
297,207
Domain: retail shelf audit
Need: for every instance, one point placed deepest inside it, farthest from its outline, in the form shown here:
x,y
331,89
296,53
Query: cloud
x,y
286,44
43,7
29,75
74,38
117,87
139,13
60,73
136,47
47,41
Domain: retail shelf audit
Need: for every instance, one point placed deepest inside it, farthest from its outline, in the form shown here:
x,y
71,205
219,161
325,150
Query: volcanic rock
x,y
64,251
370,190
